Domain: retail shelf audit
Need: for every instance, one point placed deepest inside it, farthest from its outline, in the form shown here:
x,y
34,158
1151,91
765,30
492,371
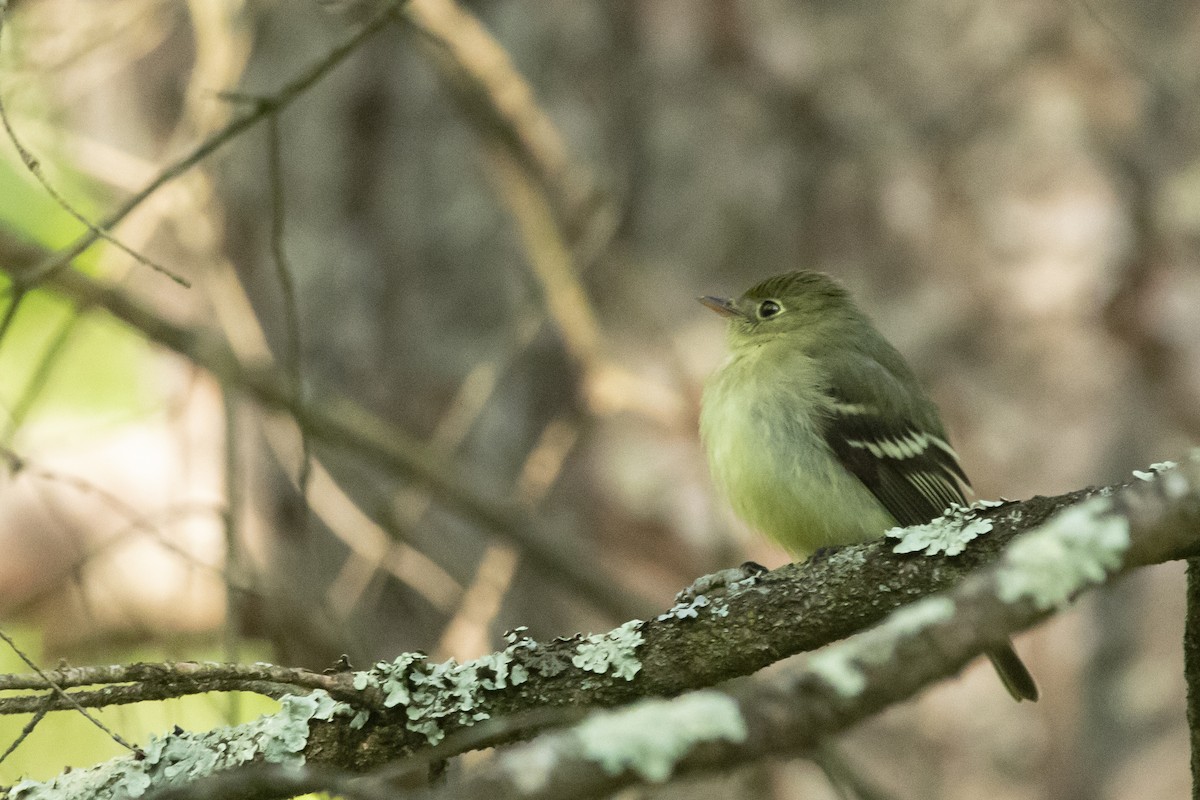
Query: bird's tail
x,y
1013,673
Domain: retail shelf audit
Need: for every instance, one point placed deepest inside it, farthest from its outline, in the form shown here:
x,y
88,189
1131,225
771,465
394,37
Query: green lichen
x,y
948,534
838,667
532,656
1154,469
1076,548
611,652
183,757
650,737
687,609
1173,481
841,665
436,697
529,767
713,592
285,734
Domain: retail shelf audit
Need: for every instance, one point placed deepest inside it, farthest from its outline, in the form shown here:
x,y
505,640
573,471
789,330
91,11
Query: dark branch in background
x,y
41,376
552,202
293,358
34,166
563,218
55,262
500,105
1191,666
340,422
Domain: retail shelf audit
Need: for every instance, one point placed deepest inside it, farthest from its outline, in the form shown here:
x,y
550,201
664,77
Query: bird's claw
x,y
718,582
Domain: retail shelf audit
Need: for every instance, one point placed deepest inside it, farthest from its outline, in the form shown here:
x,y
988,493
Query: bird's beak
x,y
722,305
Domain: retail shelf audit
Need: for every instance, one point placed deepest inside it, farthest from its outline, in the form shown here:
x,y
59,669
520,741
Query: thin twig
x,y
265,108
17,295
231,528
38,380
343,423
293,352
60,692
141,693
28,728
170,672
34,166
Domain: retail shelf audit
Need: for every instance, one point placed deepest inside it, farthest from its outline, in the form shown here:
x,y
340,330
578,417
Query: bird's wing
x,y
901,456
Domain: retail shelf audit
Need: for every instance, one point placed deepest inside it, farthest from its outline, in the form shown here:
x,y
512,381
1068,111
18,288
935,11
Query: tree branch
x,y
266,106
794,711
1075,541
1191,667
340,422
133,683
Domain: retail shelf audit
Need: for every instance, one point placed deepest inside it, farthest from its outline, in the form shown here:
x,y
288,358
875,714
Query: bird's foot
x,y
720,582
822,553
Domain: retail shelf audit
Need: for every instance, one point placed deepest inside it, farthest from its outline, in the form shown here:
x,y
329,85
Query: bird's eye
x,y
768,309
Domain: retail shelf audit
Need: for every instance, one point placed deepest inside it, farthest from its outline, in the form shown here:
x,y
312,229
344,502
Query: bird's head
x,y
796,305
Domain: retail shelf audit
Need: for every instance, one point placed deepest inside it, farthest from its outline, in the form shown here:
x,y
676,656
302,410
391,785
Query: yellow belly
x,y
772,464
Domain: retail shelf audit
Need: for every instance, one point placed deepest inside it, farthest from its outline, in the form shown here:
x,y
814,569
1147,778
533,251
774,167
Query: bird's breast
x,y
761,425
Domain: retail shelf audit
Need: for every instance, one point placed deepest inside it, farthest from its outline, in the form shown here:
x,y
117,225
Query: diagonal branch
x,y
265,107
793,712
340,422
954,608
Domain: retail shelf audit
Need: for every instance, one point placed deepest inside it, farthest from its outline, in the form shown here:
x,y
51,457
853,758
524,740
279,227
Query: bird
x,y
819,433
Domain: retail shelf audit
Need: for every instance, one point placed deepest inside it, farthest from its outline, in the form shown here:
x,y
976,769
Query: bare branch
x,y
341,422
66,699
136,683
34,166
265,107
169,673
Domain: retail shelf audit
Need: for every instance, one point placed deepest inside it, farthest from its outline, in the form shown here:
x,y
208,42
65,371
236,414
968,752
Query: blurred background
x,y
1010,188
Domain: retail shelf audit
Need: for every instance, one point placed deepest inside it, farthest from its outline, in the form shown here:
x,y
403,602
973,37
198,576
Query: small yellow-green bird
x,y
819,433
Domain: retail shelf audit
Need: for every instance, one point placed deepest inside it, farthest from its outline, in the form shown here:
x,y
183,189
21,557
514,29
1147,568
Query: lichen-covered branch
x,y
984,594
1080,547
